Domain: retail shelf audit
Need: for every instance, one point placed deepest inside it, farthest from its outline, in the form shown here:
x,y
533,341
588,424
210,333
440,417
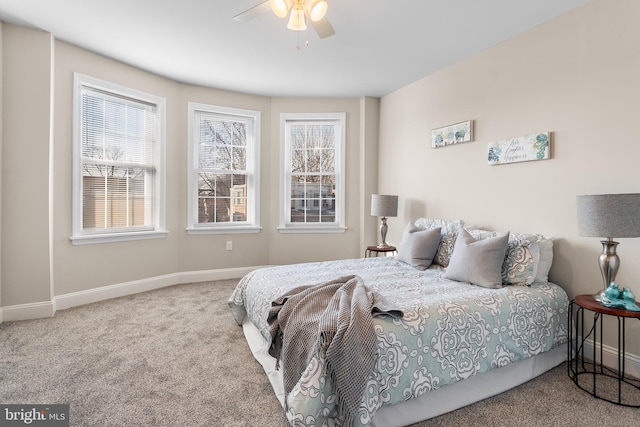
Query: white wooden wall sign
x,y
521,149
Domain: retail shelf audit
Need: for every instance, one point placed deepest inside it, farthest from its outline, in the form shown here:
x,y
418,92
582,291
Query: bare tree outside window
x,y
313,181
224,178
222,170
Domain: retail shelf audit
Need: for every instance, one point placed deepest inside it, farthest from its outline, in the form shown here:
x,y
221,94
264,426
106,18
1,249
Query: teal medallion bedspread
x,y
450,330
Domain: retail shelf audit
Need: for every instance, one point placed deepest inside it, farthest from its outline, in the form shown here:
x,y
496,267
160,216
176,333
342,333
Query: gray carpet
x,y
175,357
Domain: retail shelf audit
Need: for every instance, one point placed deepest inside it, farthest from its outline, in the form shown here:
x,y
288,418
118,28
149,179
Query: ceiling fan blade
x,y
253,12
323,28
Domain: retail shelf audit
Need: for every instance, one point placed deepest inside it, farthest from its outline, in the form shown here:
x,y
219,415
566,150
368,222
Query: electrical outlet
x,y
229,245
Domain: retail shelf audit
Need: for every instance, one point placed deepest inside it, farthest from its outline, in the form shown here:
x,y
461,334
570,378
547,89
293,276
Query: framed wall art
x,y
452,134
526,148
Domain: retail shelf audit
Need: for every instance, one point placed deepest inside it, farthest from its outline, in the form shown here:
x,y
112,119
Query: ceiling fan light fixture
x,y
280,7
297,20
317,9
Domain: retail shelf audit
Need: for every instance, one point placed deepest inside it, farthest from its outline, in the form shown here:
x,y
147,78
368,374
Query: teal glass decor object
x,y
615,298
612,292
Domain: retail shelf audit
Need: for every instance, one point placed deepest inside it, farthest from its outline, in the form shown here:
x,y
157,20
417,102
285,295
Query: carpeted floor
x,y
175,357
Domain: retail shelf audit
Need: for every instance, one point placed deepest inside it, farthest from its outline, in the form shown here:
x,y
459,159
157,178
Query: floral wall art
x,y
521,149
452,134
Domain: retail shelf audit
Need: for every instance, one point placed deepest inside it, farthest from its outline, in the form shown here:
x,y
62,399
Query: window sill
x,y
307,229
224,230
116,237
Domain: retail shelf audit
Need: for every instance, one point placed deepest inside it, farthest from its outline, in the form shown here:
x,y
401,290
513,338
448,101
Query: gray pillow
x,y
418,247
478,261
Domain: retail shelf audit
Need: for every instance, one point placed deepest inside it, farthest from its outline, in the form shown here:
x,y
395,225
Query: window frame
x,y
158,217
285,224
253,120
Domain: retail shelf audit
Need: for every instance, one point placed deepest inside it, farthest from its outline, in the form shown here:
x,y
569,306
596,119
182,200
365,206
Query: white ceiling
x,y
379,45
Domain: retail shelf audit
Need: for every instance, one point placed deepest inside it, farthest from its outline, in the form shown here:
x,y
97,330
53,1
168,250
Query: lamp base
x,y
383,232
609,263
598,295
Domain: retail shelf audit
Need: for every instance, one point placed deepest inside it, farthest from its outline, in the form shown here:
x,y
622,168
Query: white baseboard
x,y
74,299
34,310
610,358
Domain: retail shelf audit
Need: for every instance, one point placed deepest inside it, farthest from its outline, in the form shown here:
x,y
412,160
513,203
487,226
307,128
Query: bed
x,y
456,342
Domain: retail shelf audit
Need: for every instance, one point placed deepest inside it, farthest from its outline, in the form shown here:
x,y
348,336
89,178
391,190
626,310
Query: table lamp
x,y
384,206
608,216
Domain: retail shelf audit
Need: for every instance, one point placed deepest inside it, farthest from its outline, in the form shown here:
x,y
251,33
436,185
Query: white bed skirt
x,y
434,403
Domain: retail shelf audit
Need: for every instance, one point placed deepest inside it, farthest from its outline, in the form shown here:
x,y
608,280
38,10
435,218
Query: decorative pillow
x,y
528,258
478,261
448,241
449,232
546,259
481,234
418,247
446,225
443,255
522,259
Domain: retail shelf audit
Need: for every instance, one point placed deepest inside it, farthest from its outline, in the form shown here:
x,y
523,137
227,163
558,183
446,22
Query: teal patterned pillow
x,y
522,264
445,250
449,232
521,260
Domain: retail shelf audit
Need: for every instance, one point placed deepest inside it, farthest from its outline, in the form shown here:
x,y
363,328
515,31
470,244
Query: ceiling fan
x,y
300,13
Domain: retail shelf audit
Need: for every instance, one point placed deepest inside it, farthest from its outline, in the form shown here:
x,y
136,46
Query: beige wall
x,y
369,136
575,76
34,64
27,56
1,138
78,268
202,252
287,248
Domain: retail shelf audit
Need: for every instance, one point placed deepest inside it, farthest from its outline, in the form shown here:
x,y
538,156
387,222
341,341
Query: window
x,y
118,171
223,169
312,178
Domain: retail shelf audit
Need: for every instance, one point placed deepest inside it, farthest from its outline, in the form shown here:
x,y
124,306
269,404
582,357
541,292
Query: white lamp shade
x,y
297,21
608,215
280,7
384,205
317,9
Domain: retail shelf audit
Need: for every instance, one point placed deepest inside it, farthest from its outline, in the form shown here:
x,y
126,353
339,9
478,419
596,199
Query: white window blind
x,y
118,152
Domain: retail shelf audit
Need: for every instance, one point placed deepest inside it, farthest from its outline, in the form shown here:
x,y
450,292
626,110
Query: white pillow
x,y
446,225
546,259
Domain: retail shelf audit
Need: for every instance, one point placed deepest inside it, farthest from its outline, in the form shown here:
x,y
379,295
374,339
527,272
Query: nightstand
x,y
588,373
391,250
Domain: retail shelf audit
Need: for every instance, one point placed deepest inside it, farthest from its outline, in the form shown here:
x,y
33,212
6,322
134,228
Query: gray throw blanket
x,y
335,317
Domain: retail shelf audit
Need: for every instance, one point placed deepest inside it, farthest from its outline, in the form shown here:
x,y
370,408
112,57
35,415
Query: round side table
x,y
587,371
376,250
